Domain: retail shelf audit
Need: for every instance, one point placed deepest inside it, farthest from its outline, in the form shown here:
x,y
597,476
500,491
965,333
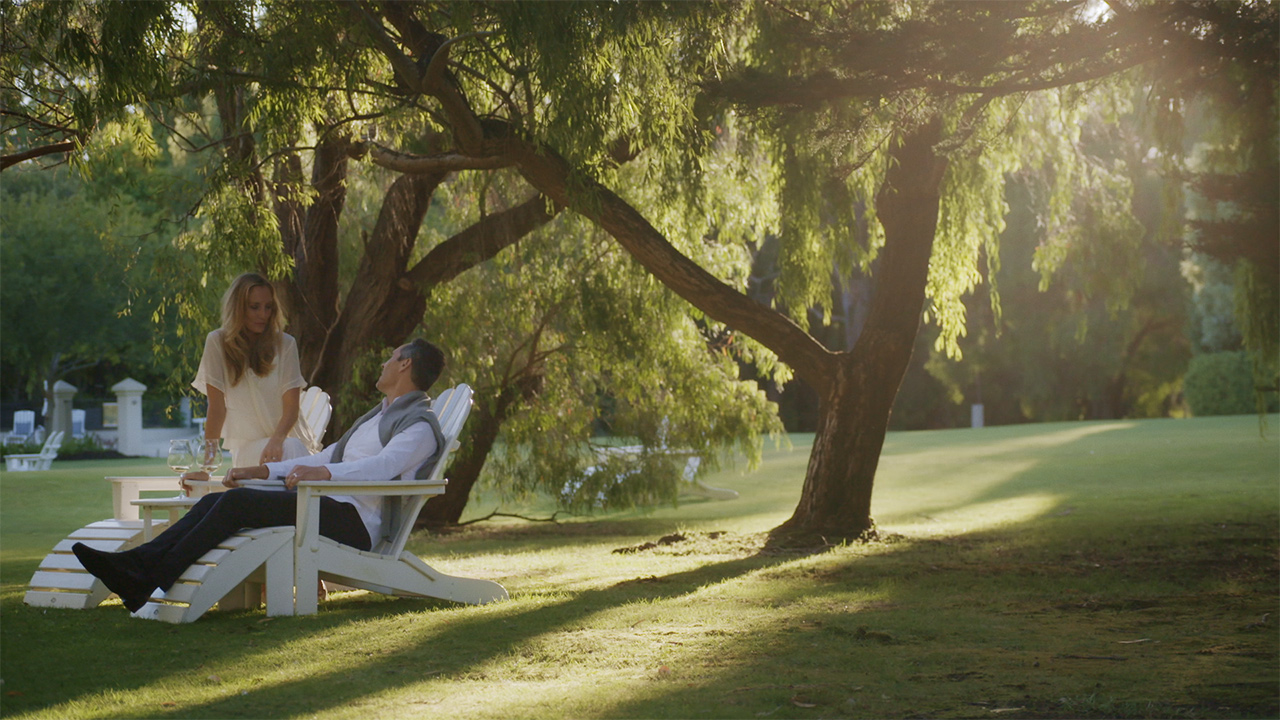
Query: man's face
x,y
392,370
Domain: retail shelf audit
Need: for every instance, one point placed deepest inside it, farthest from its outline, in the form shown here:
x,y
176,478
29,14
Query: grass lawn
x,y
1099,569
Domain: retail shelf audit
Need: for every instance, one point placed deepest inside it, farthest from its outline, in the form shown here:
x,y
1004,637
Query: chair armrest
x,y
322,488
124,490
307,533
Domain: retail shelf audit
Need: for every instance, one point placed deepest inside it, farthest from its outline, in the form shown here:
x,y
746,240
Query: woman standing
x,y
251,376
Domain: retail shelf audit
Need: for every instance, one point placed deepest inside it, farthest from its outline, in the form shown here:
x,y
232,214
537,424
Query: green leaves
x,y
611,351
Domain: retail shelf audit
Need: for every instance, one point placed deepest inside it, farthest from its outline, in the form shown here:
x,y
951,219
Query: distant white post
x,y
63,391
129,399
975,415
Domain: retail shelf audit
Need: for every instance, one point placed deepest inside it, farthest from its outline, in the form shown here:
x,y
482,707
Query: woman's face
x,y
261,306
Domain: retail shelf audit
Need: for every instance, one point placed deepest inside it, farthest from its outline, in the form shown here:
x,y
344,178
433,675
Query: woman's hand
x,y
198,475
273,452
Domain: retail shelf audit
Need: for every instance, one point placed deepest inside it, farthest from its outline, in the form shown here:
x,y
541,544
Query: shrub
x,y
85,448
1220,384
25,448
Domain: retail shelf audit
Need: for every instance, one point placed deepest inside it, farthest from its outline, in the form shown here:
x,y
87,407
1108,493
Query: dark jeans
x,y
218,516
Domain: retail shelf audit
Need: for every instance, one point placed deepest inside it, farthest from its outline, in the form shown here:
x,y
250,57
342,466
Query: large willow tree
x,y
885,130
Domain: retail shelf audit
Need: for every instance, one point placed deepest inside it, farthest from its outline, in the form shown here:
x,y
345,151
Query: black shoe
x,y
131,584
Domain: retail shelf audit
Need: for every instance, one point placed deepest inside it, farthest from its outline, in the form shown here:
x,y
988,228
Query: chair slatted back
x,y
314,412
24,425
399,513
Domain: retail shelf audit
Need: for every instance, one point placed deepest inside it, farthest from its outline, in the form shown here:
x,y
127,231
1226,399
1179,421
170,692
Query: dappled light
x,y
952,491
1067,579
1000,275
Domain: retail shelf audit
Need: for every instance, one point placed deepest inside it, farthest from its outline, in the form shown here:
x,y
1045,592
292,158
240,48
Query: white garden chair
x,y
314,410
24,427
289,557
36,461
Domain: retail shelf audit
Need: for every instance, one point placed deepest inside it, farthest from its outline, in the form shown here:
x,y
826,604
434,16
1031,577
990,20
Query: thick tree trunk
x,y
856,388
387,299
835,503
310,237
378,311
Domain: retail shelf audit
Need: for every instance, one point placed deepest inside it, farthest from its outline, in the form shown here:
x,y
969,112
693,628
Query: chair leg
x,y
279,569
307,574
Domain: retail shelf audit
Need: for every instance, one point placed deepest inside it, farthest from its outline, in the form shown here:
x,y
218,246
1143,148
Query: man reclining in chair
x,y
396,439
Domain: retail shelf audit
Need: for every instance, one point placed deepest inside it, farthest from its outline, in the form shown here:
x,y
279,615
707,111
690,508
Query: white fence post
x,y
129,398
63,391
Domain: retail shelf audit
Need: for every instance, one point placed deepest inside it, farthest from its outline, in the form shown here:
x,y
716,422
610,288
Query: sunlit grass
x,y
1070,570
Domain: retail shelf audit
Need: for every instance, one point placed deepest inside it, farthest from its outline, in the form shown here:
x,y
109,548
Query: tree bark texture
x,y
388,297
835,503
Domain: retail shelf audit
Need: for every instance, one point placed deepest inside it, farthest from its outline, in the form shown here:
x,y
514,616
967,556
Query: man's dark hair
x,y
428,362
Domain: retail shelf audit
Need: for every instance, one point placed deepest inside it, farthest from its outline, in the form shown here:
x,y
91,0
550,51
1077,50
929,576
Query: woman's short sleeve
x,y
212,369
290,368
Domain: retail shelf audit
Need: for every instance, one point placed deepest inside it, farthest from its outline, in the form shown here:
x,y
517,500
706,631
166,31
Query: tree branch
x,y
421,164
479,243
551,175
495,514
53,149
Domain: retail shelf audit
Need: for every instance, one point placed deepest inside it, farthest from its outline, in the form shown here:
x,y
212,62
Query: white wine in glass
x,y
210,457
180,456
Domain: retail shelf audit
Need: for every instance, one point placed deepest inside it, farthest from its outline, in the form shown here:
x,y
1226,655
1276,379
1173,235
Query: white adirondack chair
x,y
289,557
36,461
77,423
314,410
24,427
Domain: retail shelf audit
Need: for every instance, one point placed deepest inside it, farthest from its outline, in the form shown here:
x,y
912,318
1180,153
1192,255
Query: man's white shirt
x,y
366,460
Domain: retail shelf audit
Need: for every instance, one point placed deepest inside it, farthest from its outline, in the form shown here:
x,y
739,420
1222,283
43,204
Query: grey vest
x,y
410,408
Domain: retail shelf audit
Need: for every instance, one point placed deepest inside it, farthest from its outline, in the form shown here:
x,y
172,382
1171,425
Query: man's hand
x,y
306,473
235,475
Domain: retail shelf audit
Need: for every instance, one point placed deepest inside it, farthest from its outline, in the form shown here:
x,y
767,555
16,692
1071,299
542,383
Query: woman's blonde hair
x,y
240,349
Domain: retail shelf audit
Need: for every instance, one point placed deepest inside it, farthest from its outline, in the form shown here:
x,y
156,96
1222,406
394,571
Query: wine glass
x,y
180,456
210,456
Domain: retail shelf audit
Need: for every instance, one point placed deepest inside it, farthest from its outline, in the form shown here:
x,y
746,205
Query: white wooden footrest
x,y
406,576
232,576
62,582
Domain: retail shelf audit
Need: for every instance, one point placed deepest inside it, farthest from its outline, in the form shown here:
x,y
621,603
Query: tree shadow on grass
x,y
821,659
462,643
1031,647
1096,629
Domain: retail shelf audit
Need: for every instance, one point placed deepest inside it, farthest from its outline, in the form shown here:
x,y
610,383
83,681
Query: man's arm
x,y
284,467
406,451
